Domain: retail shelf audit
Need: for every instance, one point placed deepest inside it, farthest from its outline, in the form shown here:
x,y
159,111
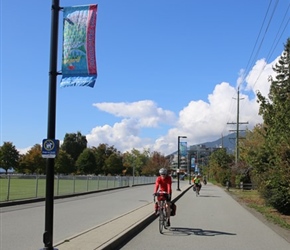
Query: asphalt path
x,y
22,226
214,220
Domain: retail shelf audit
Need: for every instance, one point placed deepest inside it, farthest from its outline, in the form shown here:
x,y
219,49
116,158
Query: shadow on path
x,y
185,231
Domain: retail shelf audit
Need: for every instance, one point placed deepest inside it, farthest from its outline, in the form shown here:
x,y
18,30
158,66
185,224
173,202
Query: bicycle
x,y
162,209
196,188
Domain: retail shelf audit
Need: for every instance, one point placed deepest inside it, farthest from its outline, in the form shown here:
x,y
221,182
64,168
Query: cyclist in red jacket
x,y
164,183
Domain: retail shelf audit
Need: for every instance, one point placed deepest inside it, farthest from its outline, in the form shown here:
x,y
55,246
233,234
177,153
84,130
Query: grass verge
x,y
252,199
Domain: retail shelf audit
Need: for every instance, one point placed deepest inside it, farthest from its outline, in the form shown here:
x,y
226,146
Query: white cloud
x,y
257,79
24,150
125,135
145,113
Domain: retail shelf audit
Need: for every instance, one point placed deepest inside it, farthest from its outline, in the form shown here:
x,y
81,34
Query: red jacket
x,y
163,184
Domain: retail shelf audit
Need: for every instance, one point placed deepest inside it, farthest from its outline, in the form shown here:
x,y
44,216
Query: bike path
x,y
112,233
213,220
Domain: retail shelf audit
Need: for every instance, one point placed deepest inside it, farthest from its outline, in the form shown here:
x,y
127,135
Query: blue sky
x,y
165,68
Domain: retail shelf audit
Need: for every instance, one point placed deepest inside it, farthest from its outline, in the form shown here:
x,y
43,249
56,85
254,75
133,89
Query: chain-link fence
x,y
19,187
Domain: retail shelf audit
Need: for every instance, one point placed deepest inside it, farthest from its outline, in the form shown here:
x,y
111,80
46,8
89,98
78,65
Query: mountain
x,y
228,142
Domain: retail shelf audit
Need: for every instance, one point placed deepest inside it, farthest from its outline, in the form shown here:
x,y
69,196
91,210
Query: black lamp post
x,y
178,160
189,169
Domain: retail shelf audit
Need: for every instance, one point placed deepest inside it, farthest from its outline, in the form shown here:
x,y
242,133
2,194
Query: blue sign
x,y
183,148
49,148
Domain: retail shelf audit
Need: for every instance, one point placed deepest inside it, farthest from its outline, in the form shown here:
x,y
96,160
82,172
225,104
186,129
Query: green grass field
x,y
26,188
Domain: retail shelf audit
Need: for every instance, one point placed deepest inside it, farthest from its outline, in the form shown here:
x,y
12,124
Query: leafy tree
x,y
32,162
102,153
74,144
276,115
9,156
220,165
86,163
22,168
135,160
64,163
253,154
155,162
114,164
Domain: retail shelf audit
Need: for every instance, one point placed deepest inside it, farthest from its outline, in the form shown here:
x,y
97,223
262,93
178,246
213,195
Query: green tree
x,y
74,144
9,156
220,164
253,154
114,164
86,163
135,160
32,162
102,153
276,115
64,163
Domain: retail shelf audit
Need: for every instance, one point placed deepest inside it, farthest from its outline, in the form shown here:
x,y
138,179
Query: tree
x,y
155,162
32,162
102,153
220,164
276,115
74,144
114,164
135,160
86,163
64,163
253,154
9,156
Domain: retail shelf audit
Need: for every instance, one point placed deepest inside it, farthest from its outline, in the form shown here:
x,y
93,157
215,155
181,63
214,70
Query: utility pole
x,y
238,128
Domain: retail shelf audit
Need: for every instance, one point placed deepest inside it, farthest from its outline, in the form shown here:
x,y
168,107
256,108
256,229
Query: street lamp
x,y
178,160
189,169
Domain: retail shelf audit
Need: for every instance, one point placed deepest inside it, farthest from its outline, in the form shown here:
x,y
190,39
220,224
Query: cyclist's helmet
x,y
163,171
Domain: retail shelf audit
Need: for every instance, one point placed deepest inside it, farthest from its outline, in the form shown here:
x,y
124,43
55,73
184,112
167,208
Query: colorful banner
x,y
79,67
183,148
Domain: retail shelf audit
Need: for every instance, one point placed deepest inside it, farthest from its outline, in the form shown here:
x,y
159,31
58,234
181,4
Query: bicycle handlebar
x,y
160,193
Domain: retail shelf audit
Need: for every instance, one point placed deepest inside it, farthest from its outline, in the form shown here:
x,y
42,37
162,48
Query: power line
x,y
249,61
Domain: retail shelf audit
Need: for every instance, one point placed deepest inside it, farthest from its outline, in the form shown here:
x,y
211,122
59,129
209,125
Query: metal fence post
x,y
57,188
36,186
87,183
74,184
8,187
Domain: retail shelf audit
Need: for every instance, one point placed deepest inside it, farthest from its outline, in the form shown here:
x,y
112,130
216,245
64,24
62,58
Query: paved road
x,y
214,220
22,226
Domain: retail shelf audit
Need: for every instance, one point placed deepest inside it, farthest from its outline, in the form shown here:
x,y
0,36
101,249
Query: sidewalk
x,y
111,234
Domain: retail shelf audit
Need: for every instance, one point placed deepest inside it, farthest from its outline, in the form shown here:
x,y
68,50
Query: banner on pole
x,y
79,67
183,148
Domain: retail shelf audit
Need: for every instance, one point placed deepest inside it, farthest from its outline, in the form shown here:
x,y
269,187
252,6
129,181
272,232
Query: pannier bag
x,y
172,209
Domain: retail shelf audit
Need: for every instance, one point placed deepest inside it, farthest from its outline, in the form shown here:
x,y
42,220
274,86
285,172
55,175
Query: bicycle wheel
x,y
165,218
161,220
197,191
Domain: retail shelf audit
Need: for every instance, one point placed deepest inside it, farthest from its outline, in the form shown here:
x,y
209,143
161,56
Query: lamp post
x,y
189,169
178,160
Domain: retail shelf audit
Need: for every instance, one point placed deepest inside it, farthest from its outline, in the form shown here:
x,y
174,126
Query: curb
x,y
129,234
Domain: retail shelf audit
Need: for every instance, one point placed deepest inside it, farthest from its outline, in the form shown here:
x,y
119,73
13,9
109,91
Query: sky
x,y
165,69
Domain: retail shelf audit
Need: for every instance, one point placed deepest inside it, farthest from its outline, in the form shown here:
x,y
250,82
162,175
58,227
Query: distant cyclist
x,y
164,183
204,180
197,183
